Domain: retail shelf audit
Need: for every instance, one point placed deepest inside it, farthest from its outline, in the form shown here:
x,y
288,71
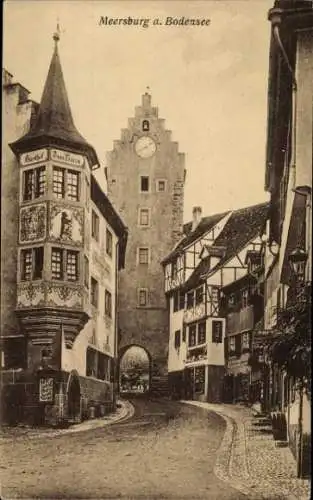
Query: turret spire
x,y
54,122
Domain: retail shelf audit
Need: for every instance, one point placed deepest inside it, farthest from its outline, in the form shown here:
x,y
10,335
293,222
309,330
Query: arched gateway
x,y
134,370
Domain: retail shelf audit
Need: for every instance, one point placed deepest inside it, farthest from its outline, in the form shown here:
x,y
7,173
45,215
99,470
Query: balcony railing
x,y
240,321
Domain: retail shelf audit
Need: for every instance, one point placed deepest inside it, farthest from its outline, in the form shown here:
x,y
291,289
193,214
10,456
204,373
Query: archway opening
x,y
135,370
73,399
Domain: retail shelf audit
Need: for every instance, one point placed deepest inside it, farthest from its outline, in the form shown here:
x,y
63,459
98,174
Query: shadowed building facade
x,y
146,176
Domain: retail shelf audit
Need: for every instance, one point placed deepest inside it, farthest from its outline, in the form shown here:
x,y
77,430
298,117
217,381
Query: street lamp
x,y
297,260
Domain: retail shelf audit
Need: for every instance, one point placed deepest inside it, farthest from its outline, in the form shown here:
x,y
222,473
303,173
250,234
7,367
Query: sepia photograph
x,y
156,249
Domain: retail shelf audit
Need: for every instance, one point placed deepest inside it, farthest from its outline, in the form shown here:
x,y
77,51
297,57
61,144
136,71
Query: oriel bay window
x,y
192,338
34,183
32,263
65,183
64,264
202,332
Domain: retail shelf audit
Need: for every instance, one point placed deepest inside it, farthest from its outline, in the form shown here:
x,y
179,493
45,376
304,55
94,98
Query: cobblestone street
x,y
166,451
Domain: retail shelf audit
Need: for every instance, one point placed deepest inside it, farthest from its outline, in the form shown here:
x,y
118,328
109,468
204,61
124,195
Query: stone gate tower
x,y
146,176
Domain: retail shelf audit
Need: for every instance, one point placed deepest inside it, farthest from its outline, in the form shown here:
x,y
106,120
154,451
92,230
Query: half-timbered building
x,y
210,256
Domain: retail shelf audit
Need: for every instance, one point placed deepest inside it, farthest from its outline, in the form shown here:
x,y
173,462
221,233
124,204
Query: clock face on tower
x,y
145,147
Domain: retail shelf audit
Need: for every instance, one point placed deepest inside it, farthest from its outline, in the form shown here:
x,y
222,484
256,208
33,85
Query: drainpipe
x,y
300,424
115,353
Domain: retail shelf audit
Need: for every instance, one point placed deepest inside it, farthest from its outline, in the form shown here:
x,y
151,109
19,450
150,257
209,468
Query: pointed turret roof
x,y
54,123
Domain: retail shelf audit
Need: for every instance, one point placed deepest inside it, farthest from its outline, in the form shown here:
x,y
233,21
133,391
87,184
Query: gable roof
x,y
54,122
242,226
205,225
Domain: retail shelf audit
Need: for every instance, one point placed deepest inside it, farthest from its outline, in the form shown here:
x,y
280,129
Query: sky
x,y
209,82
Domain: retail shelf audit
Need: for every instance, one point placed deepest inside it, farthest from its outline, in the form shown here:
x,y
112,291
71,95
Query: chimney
x,y
196,217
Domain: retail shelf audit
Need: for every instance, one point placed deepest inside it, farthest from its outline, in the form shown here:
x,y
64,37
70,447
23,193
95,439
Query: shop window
x,y
142,297
177,339
109,243
103,366
199,295
58,183
217,331
190,299
32,263
143,255
202,332
144,184
72,185
192,336
108,304
94,292
34,183
199,379
95,222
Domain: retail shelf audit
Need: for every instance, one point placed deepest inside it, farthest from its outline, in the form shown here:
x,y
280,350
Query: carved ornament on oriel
x,y
30,295
60,295
66,224
33,223
197,312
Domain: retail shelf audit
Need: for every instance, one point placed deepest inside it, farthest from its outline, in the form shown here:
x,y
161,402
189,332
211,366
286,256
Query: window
x,y
142,297
72,265
143,255
14,353
144,184
86,272
202,332
161,185
175,301
231,344
34,183
144,217
217,332
95,225
108,304
190,299
238,345
145,125
58,182
199,295
109,243
231,300
57,264
174,270
91,362
244,298
31,264
177,339
72,185
192,336
184,334
246,341
94,291
181,300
